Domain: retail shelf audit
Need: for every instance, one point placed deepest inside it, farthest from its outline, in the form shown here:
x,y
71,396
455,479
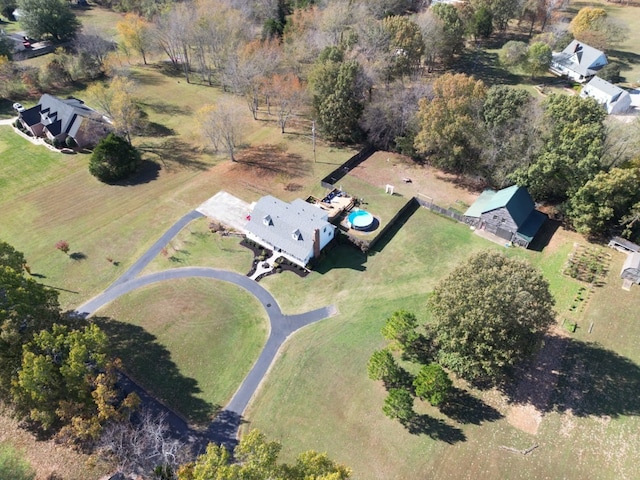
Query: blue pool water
x,y
360,219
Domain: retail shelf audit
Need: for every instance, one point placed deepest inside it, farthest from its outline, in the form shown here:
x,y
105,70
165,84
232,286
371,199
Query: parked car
x,y
18,107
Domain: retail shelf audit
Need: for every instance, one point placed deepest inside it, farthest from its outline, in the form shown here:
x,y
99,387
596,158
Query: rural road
x,y
224,428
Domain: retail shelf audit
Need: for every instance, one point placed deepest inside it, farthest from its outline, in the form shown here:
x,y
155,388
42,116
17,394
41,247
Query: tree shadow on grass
x,y
584,378
175,153
273,159
77,256
486,67
467,409
150,364
626,60
165,108
435,428
147,172
156,130
597,381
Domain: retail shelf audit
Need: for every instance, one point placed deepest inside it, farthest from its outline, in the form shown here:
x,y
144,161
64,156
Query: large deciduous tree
x,y
604,200
114,159
488,314
448,123
406,45
26,307
453,29
222,126
117,101
12,258
511,132
65,379
573,135
592,25
257,458
48,19
289,95
538,59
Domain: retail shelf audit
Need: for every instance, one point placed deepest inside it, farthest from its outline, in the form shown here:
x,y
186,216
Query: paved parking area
x,y
227,209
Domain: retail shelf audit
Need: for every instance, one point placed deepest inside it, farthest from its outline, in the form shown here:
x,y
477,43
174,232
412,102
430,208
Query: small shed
x,y
631,268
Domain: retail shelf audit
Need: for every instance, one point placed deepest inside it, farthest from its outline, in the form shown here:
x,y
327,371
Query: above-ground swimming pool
x,y
360,219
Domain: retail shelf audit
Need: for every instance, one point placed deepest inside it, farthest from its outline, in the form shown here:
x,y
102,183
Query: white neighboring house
x,y
578,61
614,99
297,230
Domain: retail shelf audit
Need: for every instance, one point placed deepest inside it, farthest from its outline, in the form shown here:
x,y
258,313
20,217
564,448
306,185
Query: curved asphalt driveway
x,y
224,428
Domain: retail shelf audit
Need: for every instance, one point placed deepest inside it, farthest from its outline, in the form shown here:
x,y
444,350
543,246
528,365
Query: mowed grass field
x,y
318,395
47,197
189,342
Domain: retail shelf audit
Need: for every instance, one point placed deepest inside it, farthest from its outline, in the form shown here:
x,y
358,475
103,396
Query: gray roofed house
x,y
578,61
58,119
297,230
508,213
614,99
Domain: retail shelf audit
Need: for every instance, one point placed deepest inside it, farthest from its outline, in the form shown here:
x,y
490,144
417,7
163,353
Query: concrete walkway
x,y
224,429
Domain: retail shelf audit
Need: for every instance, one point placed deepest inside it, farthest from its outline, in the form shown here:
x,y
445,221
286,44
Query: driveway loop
x,y
224,428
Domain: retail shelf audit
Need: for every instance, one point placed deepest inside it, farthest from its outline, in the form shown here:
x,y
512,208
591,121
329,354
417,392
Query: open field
x,y
48,197
318,396
189,342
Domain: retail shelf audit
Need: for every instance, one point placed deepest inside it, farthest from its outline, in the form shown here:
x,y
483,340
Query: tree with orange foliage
x,y
289,93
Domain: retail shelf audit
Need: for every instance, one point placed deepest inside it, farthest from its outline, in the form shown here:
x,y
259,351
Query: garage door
x,y
502,233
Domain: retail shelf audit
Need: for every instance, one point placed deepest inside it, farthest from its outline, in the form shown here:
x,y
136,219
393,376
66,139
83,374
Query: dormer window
x,y
267,221
297,235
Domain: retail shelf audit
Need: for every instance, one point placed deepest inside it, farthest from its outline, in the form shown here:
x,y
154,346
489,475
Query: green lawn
x,y
318,396
197,246
190,342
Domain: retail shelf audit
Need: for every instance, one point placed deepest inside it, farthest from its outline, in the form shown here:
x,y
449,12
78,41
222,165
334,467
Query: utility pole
x,y
313,136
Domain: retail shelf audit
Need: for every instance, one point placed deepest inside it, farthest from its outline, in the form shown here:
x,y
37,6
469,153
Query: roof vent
x,y
297,234
267,221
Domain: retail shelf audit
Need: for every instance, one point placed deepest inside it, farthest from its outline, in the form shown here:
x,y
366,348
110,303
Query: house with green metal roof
x,y
508,213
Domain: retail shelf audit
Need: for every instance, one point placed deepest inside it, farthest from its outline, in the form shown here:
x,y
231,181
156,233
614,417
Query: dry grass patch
x,y
48,458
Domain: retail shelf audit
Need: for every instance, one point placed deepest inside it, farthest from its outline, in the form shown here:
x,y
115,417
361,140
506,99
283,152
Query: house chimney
x,y
316,243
